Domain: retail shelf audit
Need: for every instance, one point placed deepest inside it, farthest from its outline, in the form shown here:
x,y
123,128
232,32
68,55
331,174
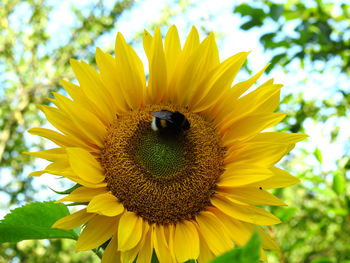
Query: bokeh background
x,y
306,42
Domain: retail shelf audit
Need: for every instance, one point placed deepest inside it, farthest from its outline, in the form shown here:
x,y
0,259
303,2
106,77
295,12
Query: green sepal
x,y
77,203
68,191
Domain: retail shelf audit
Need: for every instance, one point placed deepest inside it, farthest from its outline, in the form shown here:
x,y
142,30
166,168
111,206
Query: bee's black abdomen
x,y
170,122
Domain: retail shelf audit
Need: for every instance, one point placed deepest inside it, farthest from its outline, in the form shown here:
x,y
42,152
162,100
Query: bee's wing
x,y
164,115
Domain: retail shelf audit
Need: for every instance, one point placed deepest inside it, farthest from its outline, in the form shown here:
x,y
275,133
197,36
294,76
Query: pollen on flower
x,y
163,180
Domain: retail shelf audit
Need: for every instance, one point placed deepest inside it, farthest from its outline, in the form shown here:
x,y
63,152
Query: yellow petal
x,y
280,179
129,70
250,104
79,97
217,82
263,256
147,44
63,123
55,137
169,231
111,253
213,232
250,214
37,173
271,104
108,68
130,231
57,167
227,102
266,83
130,255
241,87
87,122
195,69
145,254
68,173
267,241
186,241
90,82
83,194
191,44
157,82
252,195
172,48
50,155
205,254
254,99
249,126
279,137
105,204
243,174
224,106
97,231
239,232
161,245
74,220
261,154
85,165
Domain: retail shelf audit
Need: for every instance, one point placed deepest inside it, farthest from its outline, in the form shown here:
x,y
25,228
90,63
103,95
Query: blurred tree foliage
x,y
32,61
319,30
316,34
31,67
310,32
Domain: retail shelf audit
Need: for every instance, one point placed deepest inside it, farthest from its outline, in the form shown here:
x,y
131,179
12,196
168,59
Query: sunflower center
x,y
163,179
160,155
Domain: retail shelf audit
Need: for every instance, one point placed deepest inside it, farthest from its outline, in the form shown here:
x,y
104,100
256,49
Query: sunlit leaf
x,y
339,183
318,155
276,11
34,221
250,253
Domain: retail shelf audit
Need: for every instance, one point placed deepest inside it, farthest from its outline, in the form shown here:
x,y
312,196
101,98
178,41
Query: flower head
x,y
177,165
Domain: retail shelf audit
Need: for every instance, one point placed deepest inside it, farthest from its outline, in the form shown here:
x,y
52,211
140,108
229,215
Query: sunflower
x,y
192,194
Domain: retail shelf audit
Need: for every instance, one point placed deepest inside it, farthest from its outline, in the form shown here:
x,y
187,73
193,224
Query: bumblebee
x,y
169,122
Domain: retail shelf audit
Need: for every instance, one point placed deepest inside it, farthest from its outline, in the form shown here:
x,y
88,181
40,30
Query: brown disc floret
x,y
163,179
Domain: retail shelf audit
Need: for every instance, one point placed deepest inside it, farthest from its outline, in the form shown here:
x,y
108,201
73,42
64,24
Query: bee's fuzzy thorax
x,y
169,122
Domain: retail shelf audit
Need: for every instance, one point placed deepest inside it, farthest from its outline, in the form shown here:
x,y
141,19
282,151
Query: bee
x,y
169,122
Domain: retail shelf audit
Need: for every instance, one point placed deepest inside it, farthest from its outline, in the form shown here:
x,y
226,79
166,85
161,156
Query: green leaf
x,y
322,260
250,253
243,9
326,191
251,23
347,202
339,183
34,221
275,60
286,214
318,155
276,11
